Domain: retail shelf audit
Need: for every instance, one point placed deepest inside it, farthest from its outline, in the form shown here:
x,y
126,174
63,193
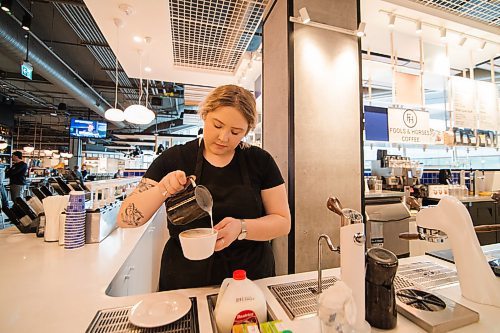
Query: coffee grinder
x,y
380,303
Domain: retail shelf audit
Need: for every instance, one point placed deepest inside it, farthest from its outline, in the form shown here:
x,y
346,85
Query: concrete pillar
x,y
75,147
312,121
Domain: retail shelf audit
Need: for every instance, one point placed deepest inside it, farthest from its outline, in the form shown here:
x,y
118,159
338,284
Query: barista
x,y
250,201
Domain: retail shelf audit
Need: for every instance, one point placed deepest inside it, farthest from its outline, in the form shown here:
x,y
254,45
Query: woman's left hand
x,y
228,230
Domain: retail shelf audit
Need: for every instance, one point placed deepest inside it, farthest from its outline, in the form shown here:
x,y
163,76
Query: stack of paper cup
x,y
74,228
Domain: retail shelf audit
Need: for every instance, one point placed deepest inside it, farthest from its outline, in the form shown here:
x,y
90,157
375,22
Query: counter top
x,y
383,194
45,288
470,199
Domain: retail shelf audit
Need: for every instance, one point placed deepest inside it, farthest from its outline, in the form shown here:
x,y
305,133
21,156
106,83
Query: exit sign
x,y
27,70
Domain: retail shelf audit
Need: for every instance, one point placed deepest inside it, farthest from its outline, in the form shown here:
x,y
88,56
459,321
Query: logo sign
x,y
409,126
27,70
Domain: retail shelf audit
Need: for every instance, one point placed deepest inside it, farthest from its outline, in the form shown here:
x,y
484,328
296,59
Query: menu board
x,y
409,126
486,102
462,102
408,89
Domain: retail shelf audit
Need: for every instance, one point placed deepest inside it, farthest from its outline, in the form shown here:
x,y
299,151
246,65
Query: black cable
x,y
27,46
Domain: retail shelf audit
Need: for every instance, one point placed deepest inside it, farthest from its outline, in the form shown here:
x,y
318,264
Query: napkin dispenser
x,y
100,222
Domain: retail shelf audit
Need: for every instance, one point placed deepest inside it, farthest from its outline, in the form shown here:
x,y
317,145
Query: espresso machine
x,y
396,171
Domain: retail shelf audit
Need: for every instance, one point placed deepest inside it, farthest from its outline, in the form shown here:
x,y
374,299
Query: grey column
x,y
75,147
312,121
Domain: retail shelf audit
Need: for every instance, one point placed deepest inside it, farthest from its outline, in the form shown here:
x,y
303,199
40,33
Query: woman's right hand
x,y
173,182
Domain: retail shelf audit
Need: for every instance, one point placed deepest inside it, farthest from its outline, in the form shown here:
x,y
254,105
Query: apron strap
x,y
199,160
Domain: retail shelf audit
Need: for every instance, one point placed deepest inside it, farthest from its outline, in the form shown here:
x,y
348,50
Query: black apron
x,y
240,200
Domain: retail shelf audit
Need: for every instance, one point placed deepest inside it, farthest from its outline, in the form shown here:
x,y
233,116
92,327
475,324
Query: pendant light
x,y
3,143
137,113
115,114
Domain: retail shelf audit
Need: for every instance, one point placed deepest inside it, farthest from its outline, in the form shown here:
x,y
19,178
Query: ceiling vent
x,y
484,11
213,34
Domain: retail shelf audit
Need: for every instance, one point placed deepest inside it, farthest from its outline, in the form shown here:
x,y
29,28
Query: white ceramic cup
x,y
198,243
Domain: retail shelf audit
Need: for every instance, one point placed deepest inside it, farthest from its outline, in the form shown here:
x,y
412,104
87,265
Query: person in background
x,y
3,192
160,149
17,175
118,174
84,171
250,205
77,174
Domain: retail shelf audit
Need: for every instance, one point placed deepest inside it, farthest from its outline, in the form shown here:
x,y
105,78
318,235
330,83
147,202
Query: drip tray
x,y
416,299
116,321
433,312
299,299
427,275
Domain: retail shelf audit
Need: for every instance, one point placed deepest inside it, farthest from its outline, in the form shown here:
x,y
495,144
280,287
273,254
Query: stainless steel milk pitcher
x,y
192,203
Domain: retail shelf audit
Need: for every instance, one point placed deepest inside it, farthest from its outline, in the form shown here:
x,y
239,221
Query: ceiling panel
x,y
213,34
484,11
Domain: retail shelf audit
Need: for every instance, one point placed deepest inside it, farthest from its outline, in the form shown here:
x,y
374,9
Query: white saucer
x,y
159,309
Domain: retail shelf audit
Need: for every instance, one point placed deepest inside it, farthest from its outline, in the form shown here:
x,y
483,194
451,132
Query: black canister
x,y
380,303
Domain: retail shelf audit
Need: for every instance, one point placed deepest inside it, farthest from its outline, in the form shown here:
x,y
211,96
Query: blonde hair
x,y
231,95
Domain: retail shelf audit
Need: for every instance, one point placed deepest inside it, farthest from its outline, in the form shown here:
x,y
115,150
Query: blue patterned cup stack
x,y
74,229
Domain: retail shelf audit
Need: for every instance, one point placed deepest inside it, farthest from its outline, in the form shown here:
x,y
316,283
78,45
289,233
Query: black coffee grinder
x,y
380,304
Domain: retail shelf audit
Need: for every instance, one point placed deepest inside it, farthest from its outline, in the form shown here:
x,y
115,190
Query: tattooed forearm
x,y
131,215
144,185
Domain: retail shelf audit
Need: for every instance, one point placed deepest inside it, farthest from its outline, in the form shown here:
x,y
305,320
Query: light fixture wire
x,y
116,64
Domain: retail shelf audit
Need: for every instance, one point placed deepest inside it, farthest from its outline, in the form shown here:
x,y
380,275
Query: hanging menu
x,y
408,89
462,102
409,126
486,102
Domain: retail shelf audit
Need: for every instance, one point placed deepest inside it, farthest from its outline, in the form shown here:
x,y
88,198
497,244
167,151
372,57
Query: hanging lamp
x,y
3,143
137,113
115,114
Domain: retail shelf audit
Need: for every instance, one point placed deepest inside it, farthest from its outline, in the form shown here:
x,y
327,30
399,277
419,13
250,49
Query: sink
x,y
212,300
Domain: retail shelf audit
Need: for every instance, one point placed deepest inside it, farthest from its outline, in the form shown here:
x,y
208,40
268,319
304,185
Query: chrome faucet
x,y
333,249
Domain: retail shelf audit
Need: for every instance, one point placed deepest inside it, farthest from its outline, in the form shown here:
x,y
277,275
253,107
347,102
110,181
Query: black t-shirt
x,y
262,169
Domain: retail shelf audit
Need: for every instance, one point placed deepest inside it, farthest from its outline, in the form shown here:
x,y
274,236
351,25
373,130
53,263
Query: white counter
x,y
45,288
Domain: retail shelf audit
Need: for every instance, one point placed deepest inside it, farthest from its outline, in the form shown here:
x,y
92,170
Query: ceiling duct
x,y
84,25
50,66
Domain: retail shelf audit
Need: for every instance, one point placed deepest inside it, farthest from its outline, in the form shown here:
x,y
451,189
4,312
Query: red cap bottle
x,y
239,274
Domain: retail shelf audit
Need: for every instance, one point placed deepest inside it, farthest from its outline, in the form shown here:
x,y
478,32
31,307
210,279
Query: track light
x,y
443,34
462,41
6,5
418,29
361,29
483,45
392,20
304,15
26,22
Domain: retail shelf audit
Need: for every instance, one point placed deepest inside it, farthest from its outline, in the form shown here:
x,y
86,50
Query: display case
x,y
5,151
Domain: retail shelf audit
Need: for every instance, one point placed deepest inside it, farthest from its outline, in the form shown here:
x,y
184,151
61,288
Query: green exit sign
x,y
27,70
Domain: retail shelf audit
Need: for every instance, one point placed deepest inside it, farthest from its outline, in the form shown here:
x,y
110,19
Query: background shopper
x,y
17,175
